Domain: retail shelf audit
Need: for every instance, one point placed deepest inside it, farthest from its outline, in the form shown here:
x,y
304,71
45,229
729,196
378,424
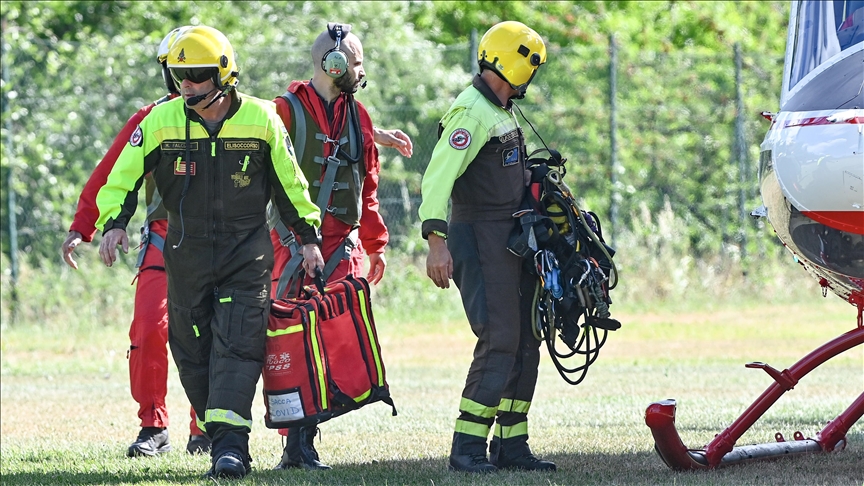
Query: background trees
x,y
74,71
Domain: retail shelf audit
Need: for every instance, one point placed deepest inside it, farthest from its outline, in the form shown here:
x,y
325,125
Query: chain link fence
x,y
663,130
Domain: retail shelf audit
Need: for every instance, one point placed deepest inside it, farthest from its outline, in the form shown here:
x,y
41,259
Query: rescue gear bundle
x,y
563,245
322,355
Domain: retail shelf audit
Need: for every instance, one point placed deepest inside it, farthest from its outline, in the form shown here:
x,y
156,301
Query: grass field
x,y
67,416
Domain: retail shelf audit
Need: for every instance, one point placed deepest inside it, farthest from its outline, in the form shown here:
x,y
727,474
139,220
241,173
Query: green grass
x,y
689,325
67,416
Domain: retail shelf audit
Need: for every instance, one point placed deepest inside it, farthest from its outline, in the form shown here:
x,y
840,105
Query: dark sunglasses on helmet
x,y
195,75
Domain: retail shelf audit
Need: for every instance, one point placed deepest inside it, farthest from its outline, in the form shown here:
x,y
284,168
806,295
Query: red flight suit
x,y
372,231
148,334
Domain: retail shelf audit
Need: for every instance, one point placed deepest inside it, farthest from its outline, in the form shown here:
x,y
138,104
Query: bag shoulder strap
x,y
291,274
342,253
155,202
299,122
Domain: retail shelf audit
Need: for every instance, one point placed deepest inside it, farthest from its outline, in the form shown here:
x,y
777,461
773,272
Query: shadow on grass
x,y
637,468
168,475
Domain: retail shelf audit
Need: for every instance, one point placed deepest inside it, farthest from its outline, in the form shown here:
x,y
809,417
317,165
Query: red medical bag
x,y
323,357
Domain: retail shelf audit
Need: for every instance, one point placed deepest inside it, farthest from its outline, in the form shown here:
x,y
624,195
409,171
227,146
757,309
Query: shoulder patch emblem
x,y
460,139
137,137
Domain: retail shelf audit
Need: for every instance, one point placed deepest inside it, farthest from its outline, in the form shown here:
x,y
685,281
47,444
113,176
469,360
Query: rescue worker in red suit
x,y
148,334
334,140
217,157
479,164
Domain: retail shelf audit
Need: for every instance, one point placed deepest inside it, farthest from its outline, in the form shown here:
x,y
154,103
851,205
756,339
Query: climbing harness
x,y
563,245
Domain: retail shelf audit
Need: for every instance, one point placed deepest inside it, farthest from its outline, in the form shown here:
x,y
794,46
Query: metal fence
x,y
640,129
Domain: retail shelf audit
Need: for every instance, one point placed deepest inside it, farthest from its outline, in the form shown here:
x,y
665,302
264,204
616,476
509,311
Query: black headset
x,y
335,62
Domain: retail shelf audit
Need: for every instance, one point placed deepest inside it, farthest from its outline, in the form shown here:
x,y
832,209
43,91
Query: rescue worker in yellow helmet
x,y
148,333
217,157
479,164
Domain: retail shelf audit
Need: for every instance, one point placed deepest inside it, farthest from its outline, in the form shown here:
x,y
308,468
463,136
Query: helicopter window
x,y
850,23
824,29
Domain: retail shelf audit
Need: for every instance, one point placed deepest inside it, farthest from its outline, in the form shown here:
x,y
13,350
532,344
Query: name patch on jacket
x,y
508,136
193,146
243,145
180,168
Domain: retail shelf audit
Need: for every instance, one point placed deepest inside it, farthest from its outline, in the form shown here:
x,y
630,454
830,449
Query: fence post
x,y
10,178
405,196
741,155
613,138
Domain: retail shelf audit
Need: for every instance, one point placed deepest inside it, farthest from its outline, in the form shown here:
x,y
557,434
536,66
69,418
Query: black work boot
x,y
300,450
198,444
150,441
515,454
468,454
229,465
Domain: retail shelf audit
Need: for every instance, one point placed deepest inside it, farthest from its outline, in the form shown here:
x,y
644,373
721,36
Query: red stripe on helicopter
x,y
820,120
849,221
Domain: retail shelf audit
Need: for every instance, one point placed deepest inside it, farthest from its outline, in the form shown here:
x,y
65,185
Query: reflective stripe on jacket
x,y
233,173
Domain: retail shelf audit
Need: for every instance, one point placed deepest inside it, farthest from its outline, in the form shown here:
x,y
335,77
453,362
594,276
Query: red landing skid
x,y
721,452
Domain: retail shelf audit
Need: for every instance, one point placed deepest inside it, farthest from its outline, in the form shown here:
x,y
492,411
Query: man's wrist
x,y
431,226
113,224
436,241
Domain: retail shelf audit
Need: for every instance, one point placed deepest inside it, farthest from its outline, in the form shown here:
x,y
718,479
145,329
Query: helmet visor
x,y
195,75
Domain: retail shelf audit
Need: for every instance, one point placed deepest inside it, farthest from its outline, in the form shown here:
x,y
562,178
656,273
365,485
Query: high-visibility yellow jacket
x,y
232,174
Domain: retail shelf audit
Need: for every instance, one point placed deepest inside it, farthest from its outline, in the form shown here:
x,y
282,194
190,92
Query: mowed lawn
x,y
67,415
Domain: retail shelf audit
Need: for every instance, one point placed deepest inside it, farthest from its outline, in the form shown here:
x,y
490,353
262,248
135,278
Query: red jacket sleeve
x,y
284,112
373,231
88,213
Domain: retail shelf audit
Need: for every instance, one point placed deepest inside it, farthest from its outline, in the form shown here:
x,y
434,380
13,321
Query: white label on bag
x,y
286,407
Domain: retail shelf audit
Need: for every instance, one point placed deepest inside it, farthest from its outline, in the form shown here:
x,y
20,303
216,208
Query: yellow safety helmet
x,y
162,56
200,53
513,51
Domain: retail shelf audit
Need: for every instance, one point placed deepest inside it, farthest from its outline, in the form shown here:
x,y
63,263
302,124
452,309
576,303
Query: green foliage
x,y
655,260
74,71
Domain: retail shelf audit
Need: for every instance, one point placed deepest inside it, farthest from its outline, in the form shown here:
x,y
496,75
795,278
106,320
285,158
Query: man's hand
x,y
439,263
396,139
312,259
73,239
377,264
110,240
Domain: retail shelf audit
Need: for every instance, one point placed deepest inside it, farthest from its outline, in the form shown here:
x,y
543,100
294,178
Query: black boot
x,y
300,450
198,444
515,454
150,442
229,465
291,451
468,454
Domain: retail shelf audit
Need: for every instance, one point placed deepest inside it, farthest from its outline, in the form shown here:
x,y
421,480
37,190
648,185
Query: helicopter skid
x,y
721,452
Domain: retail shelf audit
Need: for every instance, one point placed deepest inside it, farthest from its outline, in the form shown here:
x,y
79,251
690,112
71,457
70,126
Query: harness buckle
x,y
334,210
288,240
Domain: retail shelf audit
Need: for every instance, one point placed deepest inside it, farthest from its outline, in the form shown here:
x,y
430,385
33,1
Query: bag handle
x,y
318,280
